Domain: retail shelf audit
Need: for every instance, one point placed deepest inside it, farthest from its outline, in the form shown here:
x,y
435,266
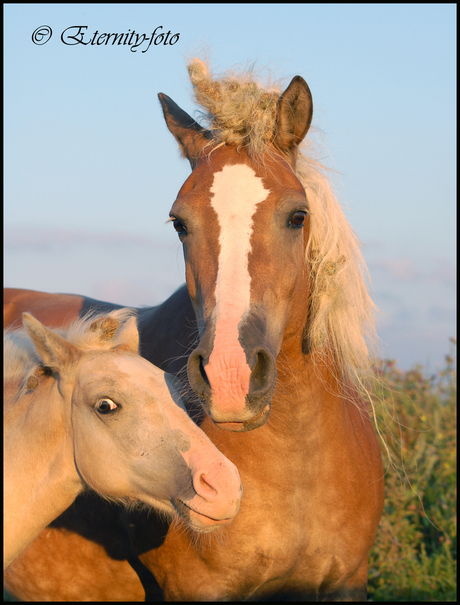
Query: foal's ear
x,y
189,134
127,337
295,111
54,351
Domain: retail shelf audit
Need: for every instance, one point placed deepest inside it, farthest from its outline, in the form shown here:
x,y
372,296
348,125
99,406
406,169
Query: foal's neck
x,y
40,478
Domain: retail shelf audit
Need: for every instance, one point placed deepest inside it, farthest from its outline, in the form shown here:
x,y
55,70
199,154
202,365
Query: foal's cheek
x,y
142,438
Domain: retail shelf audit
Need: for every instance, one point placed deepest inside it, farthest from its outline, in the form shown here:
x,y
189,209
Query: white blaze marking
x,y
237,192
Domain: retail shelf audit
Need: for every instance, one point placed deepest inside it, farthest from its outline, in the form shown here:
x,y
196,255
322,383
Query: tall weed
x,y
414,557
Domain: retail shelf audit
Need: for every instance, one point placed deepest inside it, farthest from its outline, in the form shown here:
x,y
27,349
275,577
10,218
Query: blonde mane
x,y
240,111
93,331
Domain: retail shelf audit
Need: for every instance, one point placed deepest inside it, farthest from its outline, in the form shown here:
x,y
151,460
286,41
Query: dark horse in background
x,y
268,337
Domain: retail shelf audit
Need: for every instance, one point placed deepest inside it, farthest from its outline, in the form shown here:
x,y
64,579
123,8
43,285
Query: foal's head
x,y
123,426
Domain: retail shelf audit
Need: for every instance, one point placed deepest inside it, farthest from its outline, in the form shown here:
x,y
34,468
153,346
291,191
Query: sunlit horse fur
x,y
87,410
276,344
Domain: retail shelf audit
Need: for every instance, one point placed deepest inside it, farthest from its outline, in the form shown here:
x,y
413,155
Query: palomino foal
x,y
91,412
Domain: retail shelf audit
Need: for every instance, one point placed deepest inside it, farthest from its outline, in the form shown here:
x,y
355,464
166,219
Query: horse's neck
x,y
326,415
299,385
40,479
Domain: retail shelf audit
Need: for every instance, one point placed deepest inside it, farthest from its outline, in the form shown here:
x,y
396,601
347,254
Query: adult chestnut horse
x,y
270,336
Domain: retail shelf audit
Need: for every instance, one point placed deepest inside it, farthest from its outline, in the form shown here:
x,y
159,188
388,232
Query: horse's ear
x,y
127,337
54,351
294,114
189,134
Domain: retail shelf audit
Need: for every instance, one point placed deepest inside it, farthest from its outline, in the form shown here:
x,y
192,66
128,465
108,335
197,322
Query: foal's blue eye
x,y
298,219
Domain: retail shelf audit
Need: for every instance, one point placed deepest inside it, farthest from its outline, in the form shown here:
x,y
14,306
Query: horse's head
x,y
243,221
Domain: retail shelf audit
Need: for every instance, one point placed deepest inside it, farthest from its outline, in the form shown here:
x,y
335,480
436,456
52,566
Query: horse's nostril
x,y
262,372
202,370
197,374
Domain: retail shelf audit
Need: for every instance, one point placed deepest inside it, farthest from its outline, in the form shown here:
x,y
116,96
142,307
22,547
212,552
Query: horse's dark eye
x,y
298,219
178,226
105,406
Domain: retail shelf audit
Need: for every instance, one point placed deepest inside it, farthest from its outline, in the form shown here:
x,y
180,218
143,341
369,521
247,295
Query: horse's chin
x,y
249,425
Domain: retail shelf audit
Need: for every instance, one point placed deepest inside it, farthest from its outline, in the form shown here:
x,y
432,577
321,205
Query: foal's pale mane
x,y
96,330
240,111
93,331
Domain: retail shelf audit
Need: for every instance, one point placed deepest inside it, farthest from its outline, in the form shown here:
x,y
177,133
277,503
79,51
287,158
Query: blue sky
x,y
91,170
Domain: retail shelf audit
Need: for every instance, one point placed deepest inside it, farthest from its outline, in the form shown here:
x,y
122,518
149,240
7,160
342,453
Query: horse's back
x,y
53,310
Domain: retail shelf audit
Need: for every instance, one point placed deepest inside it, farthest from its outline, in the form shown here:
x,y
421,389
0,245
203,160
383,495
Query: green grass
x,y
414,557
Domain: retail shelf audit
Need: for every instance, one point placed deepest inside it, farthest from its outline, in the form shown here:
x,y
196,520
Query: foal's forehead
x,y
124,366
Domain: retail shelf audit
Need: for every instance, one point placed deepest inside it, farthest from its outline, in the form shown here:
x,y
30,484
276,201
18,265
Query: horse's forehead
x,y
274,173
